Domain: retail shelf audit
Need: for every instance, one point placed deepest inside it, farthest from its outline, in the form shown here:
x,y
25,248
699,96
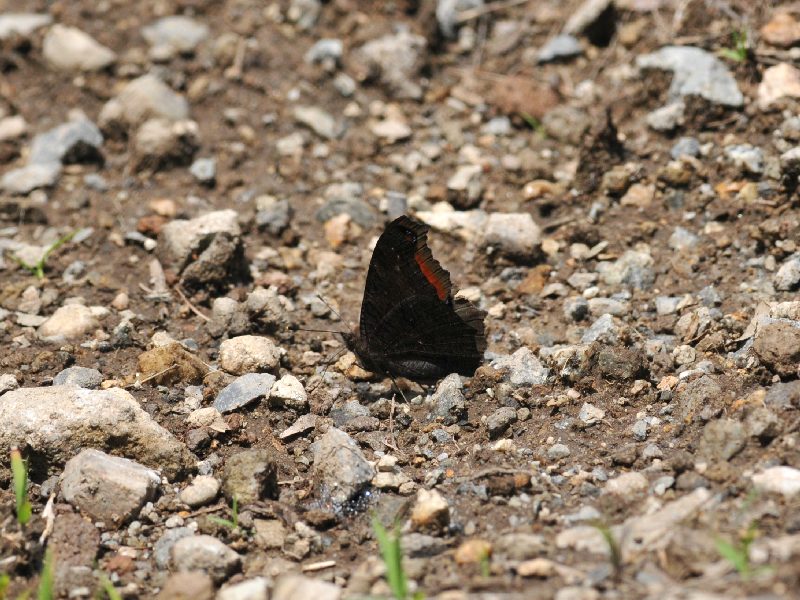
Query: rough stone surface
x,y
340,469
207,554
250,476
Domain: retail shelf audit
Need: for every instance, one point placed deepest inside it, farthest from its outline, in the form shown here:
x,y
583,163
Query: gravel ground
x,y
190,189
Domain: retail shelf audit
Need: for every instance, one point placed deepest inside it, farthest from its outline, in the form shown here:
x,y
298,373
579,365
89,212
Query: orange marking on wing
x,y
438,284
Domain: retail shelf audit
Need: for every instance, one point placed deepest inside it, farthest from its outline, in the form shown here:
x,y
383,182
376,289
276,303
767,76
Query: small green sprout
x,y
738,52
614,552
109,589
19,474
46,579
231,523
738,553
392,554
38,267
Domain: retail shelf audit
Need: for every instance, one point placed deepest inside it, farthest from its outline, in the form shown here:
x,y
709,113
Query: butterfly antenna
x,y
394,381
333,310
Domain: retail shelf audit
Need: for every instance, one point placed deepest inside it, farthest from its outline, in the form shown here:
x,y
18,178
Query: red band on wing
x,y
437,283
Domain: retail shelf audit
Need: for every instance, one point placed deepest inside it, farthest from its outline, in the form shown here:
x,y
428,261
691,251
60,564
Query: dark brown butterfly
x,y
411,325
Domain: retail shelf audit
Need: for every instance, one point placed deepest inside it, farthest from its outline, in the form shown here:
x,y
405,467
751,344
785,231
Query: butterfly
x,y
411,324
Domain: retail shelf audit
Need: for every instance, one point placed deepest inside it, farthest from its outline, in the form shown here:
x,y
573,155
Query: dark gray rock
x,y
80,376
340,470
722,440
777,345
244,390
448,403
500,420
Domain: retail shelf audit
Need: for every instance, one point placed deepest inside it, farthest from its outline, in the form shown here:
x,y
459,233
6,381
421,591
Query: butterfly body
x,y
411,323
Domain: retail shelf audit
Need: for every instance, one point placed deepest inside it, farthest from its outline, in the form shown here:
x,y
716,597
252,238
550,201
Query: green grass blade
x,y
392,554
109,589
19,474
46,583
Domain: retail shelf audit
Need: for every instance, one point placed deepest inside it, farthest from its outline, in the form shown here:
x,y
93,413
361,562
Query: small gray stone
x,y
682,240
763,424
325,50
746,157
70,48
627,484
73,142
8,382
634,269
272,214
777,345
558,451
604,330
163,546
395,59
256,588
69,322
244,390
180,238
248,354
610,306
319,121
667,117
695,72
448,13
340,469
685,146
576,308
30,177
500,420
22,24
590,414
108,488
304,13
205,553
176,34
347,197
787,277
558,48
517,546
667,305
289,393
80,376
12,127
250,476
465,186
143,98
697,395
513,234
201,491
161,143
783,395
639,429
293,587
448,403
722,440
204,170
523,368
270,534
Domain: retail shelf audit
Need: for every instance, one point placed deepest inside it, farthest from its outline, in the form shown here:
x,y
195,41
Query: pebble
x,y
346,197
685,146
193,584
30,177
695,72
522,368
777,345
447,14
69,48
448,403
292,587
81,376
72,142
782,30
627,484
431,511
513,234
171,363
319,121
143,98
634,269
272,214
778,480
22,24
244,390
604,330
558,451
667,117
787,277
288,392
173,35
327,49
256,588
590,414
204,170
8,382
778,82
500,420
207,554
161,143
340,470
250,475
180,237
201,491
108,488
722,440
69,322
12,127
560,47
747,157
248,354
465,186
396,60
